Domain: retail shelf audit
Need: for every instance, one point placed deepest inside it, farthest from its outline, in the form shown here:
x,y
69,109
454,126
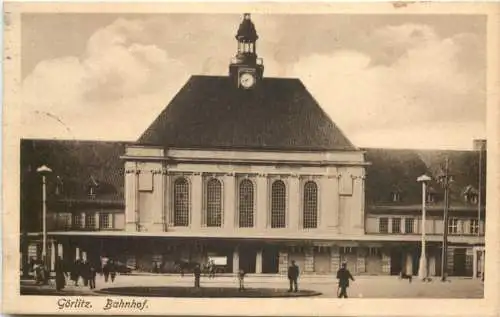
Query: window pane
x,y
409,223
104,220
278,205
310,212
181,202
396,225
214,203
383,225
246,204
90,220
474,227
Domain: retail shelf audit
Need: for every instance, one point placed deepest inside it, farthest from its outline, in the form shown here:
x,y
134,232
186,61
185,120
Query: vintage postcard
x,y
251,159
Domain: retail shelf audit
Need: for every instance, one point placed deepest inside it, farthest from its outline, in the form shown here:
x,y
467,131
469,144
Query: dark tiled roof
x,y
399,169
211,112
76,166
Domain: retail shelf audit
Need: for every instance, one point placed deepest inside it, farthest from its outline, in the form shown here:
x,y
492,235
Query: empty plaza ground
x,y
363,287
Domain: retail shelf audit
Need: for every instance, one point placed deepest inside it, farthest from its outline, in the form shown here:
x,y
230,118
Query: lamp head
x,y
423,179
44,169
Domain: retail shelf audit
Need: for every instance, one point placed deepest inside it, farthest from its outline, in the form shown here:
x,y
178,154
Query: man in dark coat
x,y
112,270
85,272
343,275
197,275
76,271
293,276
92,275
60,274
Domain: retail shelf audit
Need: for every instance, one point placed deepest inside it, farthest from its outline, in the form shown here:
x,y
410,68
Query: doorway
x,y
270,260
396,261
459,261
248,259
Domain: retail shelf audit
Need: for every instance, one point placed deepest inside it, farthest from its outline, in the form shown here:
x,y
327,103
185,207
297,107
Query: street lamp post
x,y
445,179
422,268
44,170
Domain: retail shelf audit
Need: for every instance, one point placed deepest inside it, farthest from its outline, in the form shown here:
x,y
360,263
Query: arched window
x,y
246,203
214,203
181,202
278,204
310,204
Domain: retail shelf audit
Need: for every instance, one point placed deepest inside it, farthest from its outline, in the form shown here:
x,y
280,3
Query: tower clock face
x,y
247,80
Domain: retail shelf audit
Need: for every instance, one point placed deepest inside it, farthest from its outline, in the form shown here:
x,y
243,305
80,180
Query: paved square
x,y
363,287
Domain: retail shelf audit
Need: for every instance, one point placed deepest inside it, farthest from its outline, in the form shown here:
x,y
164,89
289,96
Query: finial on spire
x,y
246,31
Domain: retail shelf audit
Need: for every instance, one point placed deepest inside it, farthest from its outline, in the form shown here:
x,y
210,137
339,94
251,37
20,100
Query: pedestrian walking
x,y
343,275
112,270
75,271
60,274
85,272
212,269
92,275
241,279
105,270
293,276
197,275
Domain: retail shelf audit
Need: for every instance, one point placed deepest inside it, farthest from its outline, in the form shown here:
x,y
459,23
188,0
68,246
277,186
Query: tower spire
x,y
246,59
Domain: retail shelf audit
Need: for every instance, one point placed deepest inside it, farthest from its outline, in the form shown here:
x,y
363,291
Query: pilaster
x,y
97,220
294,203
386,262
334,258
262,212
283,262
329,194
258,262
53,256
361,260
409,263
130,196
158,199
229,206
236,260
309,260
196,200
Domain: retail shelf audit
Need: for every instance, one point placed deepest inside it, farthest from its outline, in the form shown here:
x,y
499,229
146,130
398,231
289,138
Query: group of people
x,y
80,269
343,276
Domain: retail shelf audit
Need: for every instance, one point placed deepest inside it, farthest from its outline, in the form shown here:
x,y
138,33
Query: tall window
x,y
90,220
409,225
310,213
104,220
474,226
278,204
396,225
453,226
181,202
214,203
77,220
383,225
246,203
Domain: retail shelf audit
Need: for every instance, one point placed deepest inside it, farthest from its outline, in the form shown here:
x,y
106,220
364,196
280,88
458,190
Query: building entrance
x,y
270,260
459,259
396,262
248,258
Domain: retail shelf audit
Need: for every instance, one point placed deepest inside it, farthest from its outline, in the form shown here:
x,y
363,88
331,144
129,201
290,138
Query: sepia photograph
x,y
250,155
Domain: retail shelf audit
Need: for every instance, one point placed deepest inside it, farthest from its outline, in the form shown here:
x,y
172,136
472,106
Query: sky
x,y
397,81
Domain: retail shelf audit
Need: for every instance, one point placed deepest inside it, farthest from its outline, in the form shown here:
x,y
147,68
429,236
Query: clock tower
x,y
246,69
